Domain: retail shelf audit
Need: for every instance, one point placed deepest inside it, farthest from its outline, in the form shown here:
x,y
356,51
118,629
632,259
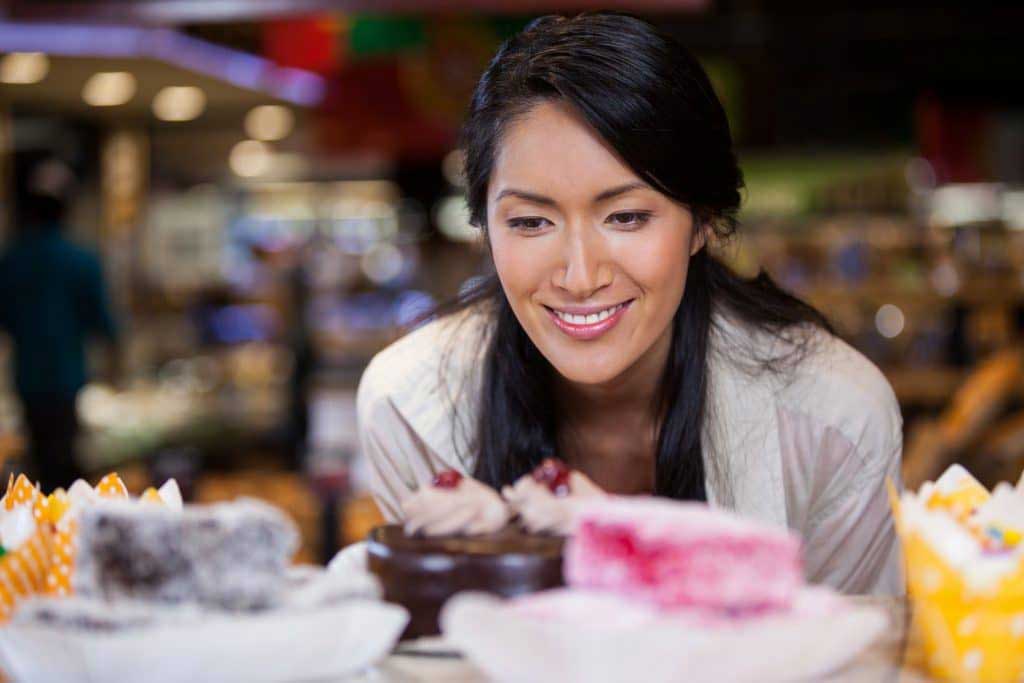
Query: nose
x,y
585,269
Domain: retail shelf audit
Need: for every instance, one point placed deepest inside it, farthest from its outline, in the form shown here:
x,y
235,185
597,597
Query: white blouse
x,y
810,448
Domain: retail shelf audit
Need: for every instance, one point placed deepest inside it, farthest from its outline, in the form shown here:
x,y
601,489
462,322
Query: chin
x,y
581,370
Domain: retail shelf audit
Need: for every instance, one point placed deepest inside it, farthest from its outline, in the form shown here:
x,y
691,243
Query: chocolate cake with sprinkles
x,y
230,555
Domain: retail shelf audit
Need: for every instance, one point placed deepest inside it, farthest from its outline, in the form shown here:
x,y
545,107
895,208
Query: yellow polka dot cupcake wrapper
x,y
967,635
23,571
45,563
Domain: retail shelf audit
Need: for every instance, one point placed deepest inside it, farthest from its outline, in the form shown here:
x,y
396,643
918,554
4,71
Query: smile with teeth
x,y
591,319
590,326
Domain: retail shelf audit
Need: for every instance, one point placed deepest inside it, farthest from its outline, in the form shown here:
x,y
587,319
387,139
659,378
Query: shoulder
x,y
817,376
842,428
823,414
426,365
839,387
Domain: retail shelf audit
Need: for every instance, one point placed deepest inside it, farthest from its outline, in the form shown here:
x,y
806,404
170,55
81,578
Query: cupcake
x,y
26,544
38,534
965,574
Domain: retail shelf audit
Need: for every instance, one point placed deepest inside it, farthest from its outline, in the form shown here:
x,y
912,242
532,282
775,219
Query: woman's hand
x,y
455,504
541,510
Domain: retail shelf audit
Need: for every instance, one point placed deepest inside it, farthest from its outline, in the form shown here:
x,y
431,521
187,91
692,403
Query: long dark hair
x,y
651,101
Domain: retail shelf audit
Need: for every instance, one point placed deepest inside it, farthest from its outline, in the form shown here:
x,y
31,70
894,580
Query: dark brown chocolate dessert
x,y
421,573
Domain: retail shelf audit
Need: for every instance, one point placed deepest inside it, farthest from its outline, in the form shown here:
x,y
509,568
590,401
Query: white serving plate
x,y
599,638
279,645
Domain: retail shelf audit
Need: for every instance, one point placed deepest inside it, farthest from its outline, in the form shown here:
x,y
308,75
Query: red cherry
x,y
554,474
447,479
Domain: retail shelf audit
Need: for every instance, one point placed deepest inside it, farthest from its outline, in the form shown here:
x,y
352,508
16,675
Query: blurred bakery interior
x,y
274,192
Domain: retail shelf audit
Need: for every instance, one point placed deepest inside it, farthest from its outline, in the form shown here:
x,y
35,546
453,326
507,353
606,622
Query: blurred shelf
x,y
924,386
987,292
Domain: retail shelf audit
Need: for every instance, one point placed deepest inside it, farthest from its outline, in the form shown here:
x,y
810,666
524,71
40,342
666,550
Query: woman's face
x,y
592,259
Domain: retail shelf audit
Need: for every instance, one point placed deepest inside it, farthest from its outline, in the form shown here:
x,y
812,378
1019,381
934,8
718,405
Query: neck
x,y
631,392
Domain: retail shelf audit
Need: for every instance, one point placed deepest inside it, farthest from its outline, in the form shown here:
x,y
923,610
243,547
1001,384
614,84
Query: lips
x,y
588,324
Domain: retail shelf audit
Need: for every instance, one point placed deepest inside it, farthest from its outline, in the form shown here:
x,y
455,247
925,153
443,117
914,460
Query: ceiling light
x,y
24,68
179,103
109,88
250,158
452,216
269,122
382,263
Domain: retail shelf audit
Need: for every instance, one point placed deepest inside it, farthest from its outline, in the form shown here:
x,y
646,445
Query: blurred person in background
x,y
54,298
300,342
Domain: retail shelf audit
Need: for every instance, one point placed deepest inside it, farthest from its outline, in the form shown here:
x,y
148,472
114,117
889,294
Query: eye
x,y
528,224
629,219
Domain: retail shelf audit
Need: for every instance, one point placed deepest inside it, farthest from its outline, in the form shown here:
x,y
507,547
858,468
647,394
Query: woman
x,y
600,168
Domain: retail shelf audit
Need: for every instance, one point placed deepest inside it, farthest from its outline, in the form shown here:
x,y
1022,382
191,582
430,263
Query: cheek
x,y
522,264
512,264
658,263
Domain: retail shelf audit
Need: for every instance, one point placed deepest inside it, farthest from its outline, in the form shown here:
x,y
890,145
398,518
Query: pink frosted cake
x,y
676,554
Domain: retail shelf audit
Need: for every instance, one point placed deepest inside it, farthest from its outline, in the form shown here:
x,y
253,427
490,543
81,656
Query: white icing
x,y
1005,508
16,526
957,546
81,494
170,494
953,478
541,511
951,540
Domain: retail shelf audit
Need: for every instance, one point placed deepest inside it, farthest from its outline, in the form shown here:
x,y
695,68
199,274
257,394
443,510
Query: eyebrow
x,y
548,201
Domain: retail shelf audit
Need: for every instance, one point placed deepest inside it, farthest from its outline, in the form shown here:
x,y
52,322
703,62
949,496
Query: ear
x,y
699,238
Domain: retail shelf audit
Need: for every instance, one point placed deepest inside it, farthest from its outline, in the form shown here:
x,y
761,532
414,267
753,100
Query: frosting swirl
x,y
540,510
468,508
